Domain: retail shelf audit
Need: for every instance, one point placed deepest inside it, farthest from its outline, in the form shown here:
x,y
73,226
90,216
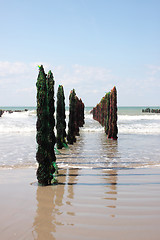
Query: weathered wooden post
x,y
113,130
72,117
106,113
51,121
60,117
45,123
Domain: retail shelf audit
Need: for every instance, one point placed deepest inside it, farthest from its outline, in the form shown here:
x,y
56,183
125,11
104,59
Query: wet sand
x,y
91,204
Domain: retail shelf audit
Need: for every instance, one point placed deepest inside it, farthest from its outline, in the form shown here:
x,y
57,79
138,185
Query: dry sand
x,y
86,204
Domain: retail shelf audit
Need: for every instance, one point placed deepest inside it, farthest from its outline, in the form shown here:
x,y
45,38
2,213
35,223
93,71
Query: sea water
x,y
137,145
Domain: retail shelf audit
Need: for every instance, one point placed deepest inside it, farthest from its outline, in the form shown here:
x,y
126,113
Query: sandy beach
x,y
106,189
86,204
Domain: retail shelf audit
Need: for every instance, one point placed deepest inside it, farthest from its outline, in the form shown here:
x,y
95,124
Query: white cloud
x,y
8,68
79,75
89,82
29,90
153,76
16,73
18,83
154,69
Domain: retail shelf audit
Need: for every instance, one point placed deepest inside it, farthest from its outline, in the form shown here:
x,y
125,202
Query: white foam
x,y
139,124
85,129
25,122
142,130
17,122
148,166
64,165
138,117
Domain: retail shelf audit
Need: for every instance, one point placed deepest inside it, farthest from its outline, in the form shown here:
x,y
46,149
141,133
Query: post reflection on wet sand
x,y
111,193
110,148
49,201
84,191
51,205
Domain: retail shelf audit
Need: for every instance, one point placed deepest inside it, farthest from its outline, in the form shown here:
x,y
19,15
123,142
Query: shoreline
x,y
86,204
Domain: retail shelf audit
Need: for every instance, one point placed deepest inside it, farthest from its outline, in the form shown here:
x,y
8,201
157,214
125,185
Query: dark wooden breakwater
x,y
11,111
151,110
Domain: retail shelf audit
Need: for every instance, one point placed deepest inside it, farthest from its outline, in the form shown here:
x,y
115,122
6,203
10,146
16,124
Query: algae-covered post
x,y
102,111
61,118
76,117
113,130
77,112
51,120
81,113
72,118
106,125
45,167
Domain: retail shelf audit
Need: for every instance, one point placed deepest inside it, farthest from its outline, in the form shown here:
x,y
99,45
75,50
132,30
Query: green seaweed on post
x,y
72,118
51,119
61,118
45,123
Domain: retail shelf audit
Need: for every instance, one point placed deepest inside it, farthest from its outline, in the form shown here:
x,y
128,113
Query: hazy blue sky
x,y
90,45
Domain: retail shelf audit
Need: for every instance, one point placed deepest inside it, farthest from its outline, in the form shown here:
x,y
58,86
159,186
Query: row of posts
x,y
45,137
105,113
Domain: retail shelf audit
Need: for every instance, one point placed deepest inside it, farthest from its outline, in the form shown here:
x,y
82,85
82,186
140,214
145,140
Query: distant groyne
x,y
11,111
151,110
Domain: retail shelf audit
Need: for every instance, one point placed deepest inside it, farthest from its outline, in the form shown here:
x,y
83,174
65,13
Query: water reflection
x,y
72,178
110,148
44,222
57,205
49,201
52,202
111,193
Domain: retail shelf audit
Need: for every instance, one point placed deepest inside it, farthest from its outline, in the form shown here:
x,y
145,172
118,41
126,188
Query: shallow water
x,y
94,150
137,145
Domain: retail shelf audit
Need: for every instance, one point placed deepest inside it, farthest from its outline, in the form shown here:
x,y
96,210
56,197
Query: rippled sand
x,y
101,194
86,204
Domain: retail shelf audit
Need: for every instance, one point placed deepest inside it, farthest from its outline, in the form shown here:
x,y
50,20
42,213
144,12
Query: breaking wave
x,y
25,122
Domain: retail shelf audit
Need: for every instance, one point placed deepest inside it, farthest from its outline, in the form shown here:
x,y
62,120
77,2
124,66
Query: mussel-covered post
x,y
61,118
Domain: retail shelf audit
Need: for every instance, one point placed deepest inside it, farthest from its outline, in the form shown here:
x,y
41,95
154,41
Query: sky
x,y
89,45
